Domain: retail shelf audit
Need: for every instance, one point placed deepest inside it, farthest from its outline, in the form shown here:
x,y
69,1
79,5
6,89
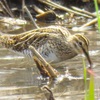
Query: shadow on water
x,y
20,79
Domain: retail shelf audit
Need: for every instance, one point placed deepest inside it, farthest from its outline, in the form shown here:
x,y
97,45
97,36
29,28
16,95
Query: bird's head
x,y
81,45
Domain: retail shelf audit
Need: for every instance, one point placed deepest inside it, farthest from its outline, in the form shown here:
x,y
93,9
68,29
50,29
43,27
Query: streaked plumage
x,y
54,43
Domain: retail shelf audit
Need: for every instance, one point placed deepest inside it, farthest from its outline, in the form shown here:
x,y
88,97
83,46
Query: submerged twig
x,y
50,96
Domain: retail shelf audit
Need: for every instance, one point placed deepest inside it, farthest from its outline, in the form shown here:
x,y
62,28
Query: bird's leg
x,y
44,67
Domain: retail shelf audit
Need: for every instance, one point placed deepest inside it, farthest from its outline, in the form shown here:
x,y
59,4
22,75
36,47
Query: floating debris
x,y
10,24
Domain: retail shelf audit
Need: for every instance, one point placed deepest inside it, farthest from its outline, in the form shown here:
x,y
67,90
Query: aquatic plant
x,y
89,93
97,13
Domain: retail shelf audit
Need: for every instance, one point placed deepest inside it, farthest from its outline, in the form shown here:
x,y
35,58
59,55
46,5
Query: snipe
x,y
54,43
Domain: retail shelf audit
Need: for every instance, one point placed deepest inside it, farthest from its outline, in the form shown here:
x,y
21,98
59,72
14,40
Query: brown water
x,y
20,79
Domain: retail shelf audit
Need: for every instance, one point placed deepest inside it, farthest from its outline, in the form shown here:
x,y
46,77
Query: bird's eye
x,y
80,43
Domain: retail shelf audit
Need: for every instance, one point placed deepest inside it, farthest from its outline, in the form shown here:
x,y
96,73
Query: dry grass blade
x,y
30,16
49,69
83,11
50,3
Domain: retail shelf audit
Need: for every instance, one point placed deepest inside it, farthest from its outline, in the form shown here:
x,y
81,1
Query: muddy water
x,y
20,79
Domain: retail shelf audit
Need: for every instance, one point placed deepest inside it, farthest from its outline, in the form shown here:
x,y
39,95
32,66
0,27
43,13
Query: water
x,y
20,79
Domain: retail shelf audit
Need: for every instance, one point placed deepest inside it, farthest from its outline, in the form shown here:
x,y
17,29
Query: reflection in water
x,y
20,79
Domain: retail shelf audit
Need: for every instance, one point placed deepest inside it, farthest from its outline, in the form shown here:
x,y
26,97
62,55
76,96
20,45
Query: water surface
x,y
20,79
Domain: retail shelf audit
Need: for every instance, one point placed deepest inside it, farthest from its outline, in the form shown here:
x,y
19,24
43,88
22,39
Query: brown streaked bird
x,y
54,43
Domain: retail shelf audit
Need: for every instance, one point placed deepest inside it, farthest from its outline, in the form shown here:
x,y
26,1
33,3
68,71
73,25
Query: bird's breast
x,y
47,52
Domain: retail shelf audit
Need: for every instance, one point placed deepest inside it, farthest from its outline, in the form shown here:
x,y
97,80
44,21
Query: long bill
x,y
86,53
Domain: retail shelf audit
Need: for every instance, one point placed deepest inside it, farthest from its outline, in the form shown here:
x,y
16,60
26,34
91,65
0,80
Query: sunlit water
x,y
20,79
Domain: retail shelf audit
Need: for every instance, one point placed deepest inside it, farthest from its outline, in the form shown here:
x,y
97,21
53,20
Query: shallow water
x,y
20,79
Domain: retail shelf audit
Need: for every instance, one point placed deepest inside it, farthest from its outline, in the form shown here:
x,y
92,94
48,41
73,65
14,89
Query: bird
x,y
54,43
